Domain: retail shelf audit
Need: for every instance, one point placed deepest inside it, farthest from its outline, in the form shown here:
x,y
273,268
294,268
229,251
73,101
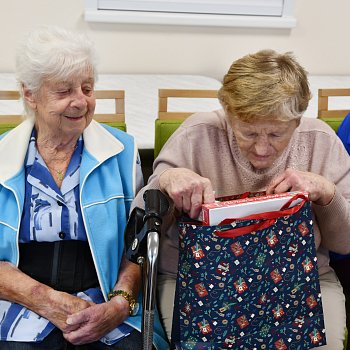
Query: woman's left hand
x,y
96,321
321,191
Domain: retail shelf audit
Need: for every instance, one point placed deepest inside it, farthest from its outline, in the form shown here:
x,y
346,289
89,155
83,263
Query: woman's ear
x,y
29,97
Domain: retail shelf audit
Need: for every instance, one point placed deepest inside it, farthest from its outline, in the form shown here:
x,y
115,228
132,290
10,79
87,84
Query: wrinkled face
x,y
64,107
263,141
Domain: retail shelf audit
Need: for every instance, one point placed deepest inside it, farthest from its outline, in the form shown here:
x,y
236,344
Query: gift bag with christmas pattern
x,y
249,284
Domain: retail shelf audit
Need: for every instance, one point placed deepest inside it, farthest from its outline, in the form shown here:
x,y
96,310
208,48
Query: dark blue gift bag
x,y
250,284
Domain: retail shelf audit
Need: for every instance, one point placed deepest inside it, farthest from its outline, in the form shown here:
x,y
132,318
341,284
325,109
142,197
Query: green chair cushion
x,y
334,123
119,125
163,130
6,127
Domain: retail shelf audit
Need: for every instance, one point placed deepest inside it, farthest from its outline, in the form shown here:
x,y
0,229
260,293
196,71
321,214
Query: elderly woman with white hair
x,y
66,185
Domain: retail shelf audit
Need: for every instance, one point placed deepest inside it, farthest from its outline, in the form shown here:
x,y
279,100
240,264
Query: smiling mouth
x,y
77,117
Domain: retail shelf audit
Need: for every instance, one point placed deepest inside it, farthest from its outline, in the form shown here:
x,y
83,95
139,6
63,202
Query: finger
x,y
87,333
275,182
186,202
77,318
282,187
74,338
208,194
196,202
176,197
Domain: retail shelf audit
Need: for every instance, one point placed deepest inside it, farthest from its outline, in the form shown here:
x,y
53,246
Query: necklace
x,y
63,164
59,173
58,168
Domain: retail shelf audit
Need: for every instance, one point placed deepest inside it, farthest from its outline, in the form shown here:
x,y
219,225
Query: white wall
x,y
320,40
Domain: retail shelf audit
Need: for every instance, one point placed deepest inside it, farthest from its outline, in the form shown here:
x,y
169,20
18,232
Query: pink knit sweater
x,y
206,144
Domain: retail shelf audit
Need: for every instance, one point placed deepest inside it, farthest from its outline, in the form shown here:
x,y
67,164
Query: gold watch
x,y
133,305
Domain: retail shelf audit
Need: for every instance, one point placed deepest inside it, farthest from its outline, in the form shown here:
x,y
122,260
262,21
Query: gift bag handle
x,y
267,219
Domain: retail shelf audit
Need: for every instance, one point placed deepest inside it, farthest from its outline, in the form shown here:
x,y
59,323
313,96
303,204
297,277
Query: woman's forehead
x,y
263,125
75,79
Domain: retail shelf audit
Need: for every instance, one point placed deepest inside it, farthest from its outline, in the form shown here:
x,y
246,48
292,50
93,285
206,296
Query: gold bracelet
x,y
133,306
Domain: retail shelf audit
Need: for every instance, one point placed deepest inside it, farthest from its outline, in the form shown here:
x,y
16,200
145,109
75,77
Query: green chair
x,y
167,122
115,119
333,117
7,122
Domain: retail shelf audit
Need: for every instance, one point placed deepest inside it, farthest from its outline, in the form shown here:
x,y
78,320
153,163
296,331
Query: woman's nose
x,y
79,99
261,146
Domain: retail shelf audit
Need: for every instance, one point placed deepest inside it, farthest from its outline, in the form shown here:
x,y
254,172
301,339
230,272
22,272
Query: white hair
x,y
52,53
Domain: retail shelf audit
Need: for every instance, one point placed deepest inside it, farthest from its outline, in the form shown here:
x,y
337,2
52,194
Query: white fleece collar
x,y
100,143
13,149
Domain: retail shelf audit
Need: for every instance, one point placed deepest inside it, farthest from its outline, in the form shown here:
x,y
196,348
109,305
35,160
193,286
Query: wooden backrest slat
x,y
323,103
165,94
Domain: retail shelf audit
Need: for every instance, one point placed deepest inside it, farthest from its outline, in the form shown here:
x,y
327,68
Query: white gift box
x,y
215,213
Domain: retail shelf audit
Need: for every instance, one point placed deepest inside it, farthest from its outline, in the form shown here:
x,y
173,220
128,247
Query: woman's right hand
x,y
187,189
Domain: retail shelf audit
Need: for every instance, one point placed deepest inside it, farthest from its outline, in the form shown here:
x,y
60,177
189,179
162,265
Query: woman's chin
x,y
261,164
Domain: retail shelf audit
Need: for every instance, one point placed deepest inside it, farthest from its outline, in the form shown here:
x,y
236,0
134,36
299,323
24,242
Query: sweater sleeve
x,y
334,219
334,223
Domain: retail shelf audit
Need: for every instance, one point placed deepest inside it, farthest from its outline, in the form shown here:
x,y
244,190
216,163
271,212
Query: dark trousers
x,y
55,341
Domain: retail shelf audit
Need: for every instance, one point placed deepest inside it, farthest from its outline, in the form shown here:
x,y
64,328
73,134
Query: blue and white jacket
x,y
107,188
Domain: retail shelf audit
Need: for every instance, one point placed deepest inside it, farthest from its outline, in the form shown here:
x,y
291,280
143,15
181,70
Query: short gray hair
x,y
267,85
54,53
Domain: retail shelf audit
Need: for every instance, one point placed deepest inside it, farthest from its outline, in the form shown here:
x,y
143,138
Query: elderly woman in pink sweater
x,y
259,141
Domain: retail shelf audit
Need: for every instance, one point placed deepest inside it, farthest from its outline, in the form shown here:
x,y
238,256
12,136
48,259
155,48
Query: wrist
x,y
163,183
125,298
328,196
120,307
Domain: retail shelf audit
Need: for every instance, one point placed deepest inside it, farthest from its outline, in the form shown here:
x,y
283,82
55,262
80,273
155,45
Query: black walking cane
x,y
142,247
